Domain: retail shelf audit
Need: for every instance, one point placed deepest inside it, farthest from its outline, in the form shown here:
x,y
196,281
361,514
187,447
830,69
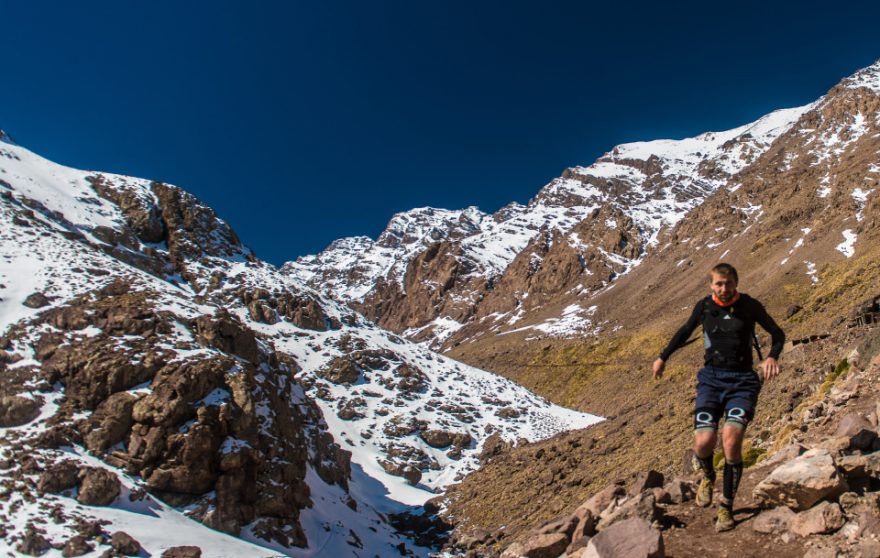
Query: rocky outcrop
x,y
193,430
802,482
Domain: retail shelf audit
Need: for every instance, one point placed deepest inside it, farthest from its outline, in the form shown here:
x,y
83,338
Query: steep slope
x,y
445,276
151,368
801,225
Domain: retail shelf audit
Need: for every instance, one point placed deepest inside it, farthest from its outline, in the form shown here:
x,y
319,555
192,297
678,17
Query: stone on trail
x,y
539,546
801,482
643,506
859,431
775,521
604,498
645,481
680,490
564,525
827,517
633,538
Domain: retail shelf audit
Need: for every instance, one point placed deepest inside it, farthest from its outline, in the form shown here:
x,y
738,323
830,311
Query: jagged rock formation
x,y
151,363
439,276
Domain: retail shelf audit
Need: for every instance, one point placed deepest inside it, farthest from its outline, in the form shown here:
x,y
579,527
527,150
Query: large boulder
x,y
801,482
125,544
647,480
16,410
97,487
775,521
824,518
643,506
539,546
58,477
603,499
633,538
860,432
680,490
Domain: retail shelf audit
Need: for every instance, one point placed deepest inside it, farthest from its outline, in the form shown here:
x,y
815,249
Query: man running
x,y
726,386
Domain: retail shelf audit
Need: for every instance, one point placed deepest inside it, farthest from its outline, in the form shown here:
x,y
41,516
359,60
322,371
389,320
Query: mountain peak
x,y
6,138
866,77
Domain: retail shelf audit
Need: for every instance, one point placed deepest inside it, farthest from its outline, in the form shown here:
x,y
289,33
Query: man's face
x,y
724,287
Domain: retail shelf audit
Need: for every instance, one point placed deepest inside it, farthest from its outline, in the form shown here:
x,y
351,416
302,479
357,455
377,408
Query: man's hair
x,y
725,270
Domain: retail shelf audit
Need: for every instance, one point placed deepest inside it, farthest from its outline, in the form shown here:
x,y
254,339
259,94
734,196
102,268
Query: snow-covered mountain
x,y
153,370
608,214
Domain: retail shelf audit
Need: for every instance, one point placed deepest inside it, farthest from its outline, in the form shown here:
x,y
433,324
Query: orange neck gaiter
x,y
726,304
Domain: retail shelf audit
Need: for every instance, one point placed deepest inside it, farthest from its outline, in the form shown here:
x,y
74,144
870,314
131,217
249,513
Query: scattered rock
x,y
539,546
633,538
183,552
123,543
36,300
443,438
775,521
32,542
859,431
564,525
643,506
341,370
603,499
58,477
680,491
860,466
801,482
97,487
824,518
787,453
76,546
16,410
645,481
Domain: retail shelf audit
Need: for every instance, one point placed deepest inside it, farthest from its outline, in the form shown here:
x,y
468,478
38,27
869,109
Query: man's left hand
x,y
771,368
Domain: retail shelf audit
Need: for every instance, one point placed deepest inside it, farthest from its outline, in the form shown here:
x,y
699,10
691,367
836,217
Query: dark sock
x,y
732,474
707,466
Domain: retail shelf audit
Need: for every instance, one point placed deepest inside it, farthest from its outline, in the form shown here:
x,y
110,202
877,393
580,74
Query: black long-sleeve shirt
x,y
728,331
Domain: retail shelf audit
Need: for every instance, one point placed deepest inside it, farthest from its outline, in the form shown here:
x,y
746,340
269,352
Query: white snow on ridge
x,y
868,78
350,268
36,257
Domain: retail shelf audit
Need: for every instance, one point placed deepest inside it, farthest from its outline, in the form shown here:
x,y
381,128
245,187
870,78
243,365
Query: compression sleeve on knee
x,y
706,418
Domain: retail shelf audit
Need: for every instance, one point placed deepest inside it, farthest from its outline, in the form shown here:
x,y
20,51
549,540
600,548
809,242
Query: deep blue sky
x,y
303,122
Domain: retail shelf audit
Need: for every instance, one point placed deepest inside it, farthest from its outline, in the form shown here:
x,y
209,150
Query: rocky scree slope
x,y
811,486
449,276
800,223
151,368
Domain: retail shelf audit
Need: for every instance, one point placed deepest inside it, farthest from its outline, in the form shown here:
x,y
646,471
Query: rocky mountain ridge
x,y
434,272
153,369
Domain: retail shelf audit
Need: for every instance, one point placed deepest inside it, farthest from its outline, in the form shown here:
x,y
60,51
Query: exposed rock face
x,y
801,482
197,434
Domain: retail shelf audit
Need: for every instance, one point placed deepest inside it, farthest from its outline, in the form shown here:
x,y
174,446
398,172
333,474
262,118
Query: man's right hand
x,y
659,365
